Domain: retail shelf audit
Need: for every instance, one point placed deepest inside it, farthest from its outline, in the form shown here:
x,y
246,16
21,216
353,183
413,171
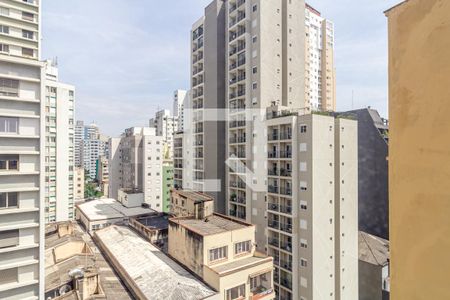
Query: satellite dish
x,y
76,273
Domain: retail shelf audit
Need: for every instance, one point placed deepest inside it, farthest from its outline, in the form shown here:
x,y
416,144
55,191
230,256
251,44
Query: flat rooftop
x,y
160,221
255,260
104,209
194,195
154,274
210,225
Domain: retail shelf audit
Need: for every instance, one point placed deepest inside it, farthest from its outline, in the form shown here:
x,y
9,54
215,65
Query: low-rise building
x,y
75,269
148,273
374,278
185,203
101,213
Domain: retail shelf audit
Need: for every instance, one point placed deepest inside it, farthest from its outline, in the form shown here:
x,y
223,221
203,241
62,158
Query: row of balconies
x,y
273,189
233,7
238,93
235,49
237,184
286,227
286,209
279,172
286,135
237,139
241,61
235,20
237,199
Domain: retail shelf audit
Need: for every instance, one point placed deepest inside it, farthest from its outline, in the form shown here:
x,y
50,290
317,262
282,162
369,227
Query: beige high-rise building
x,y
419,126
59,146
22,146
135,167
320,76
312,205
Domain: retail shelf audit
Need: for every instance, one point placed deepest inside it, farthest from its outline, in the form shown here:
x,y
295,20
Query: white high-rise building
x,y
165,125
22,146
179,104
135,166
93,145
59,147
78,142
312,204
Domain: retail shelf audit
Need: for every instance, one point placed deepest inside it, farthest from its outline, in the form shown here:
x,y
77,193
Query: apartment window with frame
x,y
4,11
27,16
242,247
9,87
218,254
303,262
9,238
8,200
237,292
28,52
9,162
9,125
4,29
303,243
4,48
303,128
28,34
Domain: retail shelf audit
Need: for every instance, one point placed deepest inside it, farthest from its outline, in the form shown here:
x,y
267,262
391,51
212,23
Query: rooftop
x,y
211,225
72,248
256,259
103,209
160,221
194,195
373,249
153,273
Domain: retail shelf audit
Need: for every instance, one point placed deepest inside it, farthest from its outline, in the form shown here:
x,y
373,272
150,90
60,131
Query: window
x,y
255,8
27,34
303,262
303,224
4,11
236,292
9,162
302,128
303,147
8,200
255,70
9,87
27,16
242,247
303,185
255,85
303,243
4,48
217,254
27,52
9,238
8,125
4,29
303,205
254,39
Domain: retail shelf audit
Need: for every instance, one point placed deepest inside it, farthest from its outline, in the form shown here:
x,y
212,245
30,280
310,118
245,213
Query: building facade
x,y
78,184
136,165
165,125
102,174
373,187
179,104
419,68
22,144
167,184
208,56
312,205
94,145
59,147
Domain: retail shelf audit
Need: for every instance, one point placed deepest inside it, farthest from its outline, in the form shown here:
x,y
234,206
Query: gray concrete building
x,y
373,185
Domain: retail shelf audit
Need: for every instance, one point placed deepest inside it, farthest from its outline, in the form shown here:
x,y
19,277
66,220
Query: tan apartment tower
x,y
419,72
22,145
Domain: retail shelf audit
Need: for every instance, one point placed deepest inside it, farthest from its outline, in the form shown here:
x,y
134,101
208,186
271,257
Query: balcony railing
x,y
234,124
286,265
272,137
273,154
286,135
240,139
274,242
239,154
287,283
272,172
285,173
273,224
285,154
273,206
286,191
272,189
237,184
286,209
286,227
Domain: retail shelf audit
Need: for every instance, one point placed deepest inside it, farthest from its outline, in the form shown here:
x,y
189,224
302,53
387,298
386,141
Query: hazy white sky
x,y
126,57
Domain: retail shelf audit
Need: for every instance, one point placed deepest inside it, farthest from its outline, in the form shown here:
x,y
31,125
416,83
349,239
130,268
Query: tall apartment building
x,y
22,144
59,147
135,166
78,141
312,205
320,75
102,174
207,99
94,145
166,125
419,70
179,104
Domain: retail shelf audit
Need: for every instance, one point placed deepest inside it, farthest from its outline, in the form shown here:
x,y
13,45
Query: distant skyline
x,y
126,57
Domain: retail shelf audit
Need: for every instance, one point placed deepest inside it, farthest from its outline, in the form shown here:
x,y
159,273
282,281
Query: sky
x,y
126,57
